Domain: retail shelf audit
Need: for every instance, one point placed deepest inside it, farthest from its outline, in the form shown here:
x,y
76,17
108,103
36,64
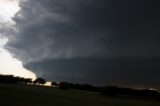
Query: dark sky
x,y
90,41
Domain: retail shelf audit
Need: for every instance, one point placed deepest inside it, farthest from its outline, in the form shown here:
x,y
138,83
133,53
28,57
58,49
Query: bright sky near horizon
x,y
8,64
8,9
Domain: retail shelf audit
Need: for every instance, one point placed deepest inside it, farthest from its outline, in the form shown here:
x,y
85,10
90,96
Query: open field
x,y
19,95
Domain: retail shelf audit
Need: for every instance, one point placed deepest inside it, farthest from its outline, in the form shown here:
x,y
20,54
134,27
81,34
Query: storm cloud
x,y
98,42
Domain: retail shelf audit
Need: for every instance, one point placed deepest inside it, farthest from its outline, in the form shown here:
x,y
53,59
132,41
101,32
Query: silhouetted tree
x,y
54,83
15,80
28,81
64,85
39,81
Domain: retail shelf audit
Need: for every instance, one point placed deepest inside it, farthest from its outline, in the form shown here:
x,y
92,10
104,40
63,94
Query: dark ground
x,y
23,95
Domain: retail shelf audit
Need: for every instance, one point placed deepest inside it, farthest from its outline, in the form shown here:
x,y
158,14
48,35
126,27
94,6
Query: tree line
x,y
103,90
14,80
114,91
20,80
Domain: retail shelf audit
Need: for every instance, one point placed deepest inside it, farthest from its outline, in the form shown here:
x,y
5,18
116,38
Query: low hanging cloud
x,y
98,42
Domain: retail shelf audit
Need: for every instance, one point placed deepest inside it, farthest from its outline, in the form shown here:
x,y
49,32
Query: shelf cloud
x,y
97,42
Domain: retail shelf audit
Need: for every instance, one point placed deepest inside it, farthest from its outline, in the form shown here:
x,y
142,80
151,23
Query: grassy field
x,y
19,95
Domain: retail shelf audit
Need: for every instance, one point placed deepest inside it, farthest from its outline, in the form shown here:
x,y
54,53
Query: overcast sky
x,y
90,41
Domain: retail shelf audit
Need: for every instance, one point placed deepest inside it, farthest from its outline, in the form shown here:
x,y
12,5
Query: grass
x,y
20,95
